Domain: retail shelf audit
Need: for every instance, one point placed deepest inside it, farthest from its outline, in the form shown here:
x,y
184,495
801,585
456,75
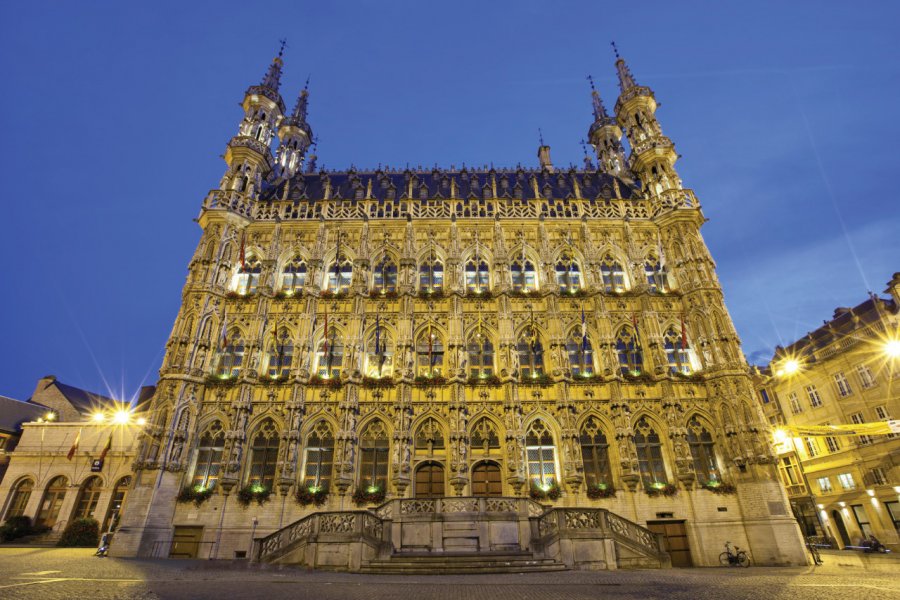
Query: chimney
x,y
544,157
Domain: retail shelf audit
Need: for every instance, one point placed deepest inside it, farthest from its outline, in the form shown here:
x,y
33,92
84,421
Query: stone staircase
x,y
458,563
463,535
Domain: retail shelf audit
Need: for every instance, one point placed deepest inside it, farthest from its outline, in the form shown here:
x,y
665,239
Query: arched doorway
x,y
52,502
114,512
429,480
88,498
486,479
842,529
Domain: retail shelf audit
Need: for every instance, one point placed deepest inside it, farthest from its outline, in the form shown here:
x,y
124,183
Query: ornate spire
x,y
272,79
626,79
599,110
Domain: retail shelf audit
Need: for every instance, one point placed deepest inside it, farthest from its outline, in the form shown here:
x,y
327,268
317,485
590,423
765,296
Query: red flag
x,y
106,448
224,330
243,262
683,335
74,446
325,334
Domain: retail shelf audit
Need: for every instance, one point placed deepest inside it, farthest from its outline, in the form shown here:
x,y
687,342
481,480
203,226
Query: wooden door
x,y
486,479
186,542
676,541
429,480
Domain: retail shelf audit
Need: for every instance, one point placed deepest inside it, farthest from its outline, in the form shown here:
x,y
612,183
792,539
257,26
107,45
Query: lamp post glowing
x,y
892,348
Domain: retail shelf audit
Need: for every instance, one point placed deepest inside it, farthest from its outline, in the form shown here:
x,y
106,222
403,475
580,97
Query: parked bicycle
x,y
738,558
813,546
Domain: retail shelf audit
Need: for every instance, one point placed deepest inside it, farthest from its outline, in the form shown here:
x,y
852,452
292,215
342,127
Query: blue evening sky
x,y
115,114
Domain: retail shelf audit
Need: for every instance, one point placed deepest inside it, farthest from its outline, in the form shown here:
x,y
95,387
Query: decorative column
x,y
459,439
402,456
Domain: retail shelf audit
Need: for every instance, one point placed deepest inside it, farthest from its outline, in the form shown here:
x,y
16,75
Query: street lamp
x,y
892,348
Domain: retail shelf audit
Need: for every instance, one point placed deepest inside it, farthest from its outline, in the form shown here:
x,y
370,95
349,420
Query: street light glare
x,y
791,366
892,348
98,417
121,417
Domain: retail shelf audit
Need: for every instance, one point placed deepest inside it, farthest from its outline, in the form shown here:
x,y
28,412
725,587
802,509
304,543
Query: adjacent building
x,y
423,334
847,372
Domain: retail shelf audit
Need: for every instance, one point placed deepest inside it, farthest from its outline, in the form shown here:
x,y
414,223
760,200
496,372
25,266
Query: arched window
x,y
232,355
263,455
88,496
281,354
429,436
568,274
656,277
114,512
429,353
319,458
677,351
330,355
340,274
613,274
649,453
595,453
293,276
52,501
209,456
581,354
480,355
541,454
247,279
628,349
478,276
431,275
531,354
524,276
374,453
385,276
484,435
20,497
703,452
379,354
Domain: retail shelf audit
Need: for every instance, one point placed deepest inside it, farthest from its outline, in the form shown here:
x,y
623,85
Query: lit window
x,y
824,484
832,444
613,274
813,394
232,355
795,403
866,379
595,453
846,481
477,276
656,277
540,453
429,353
20,497
247,279
812,449
858,419
524,276
843,385
209,456
293,276
88,497
319,457
330,355
281,354
264,455
628,350
374,453
677,351
379,358
568,274
385,276
431,275
480,355
531,353
703,452
649,452
581,354
340,274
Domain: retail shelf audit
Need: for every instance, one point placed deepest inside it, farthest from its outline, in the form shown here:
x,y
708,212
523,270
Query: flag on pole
x,y
224,329
535,342
584,340
325,333
74,447
430,348
243,256
107,447
683,335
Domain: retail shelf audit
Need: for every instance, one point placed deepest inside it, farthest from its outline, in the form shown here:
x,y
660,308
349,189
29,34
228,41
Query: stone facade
x,y
844,373
477,332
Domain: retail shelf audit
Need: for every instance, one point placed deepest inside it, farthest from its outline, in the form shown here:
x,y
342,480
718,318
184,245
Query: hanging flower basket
x,y
542,380
378,295
194,493
687,376
331,382
372,494
638,376
589,380
277,380
425,380
600,490
547,491
491,380
431,294
232,295
311,495
330,295
371,383
661,489
719,487
253,493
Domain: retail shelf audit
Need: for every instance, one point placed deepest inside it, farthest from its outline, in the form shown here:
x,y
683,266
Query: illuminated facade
x,y
847,372
464,332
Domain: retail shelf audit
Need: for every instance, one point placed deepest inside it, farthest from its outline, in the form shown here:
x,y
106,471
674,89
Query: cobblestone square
x,y
51,573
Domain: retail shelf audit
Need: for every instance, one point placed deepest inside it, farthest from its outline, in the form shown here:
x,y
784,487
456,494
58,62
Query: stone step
x,y
469,562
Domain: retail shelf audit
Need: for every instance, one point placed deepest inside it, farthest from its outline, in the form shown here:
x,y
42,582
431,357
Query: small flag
x,y
106,448
431,349
683,335
243,256
584,339
74,447
325,333
224,330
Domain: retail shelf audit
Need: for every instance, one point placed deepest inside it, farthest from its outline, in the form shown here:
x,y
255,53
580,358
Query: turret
x,y
606,138
295,135
248,154
653,155
543,154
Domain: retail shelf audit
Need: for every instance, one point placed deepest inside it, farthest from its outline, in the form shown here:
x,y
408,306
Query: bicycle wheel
x,y
742,559
724,559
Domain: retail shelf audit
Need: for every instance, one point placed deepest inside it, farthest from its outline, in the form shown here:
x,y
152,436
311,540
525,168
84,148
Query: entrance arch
x,y
429,480
486,479
842,529
52,502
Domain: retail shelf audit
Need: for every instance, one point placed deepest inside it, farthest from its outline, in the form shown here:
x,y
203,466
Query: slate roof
x,y
15,412
82,400
388,185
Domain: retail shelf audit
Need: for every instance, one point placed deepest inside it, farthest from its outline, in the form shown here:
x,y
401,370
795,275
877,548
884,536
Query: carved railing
x,y
396,509
340,209
361,523
559,521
